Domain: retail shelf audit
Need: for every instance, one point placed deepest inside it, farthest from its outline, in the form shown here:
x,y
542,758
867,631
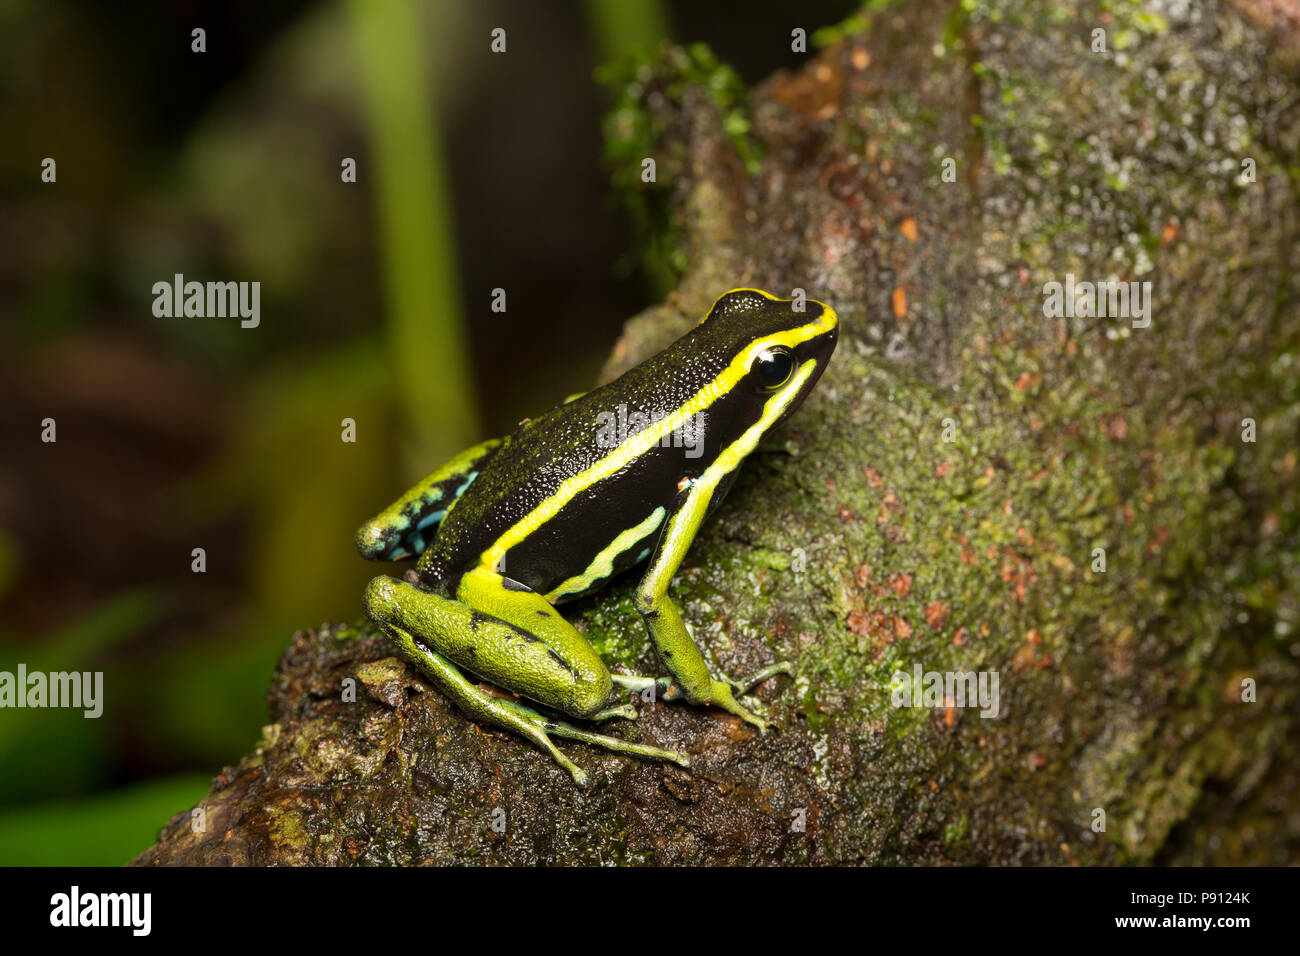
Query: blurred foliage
x,y
104,830
633,132
417,245
626,27
243,196
61,750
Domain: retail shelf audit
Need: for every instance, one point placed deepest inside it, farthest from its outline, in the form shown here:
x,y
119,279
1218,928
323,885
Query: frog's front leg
x,y
516,640
404,528
677,649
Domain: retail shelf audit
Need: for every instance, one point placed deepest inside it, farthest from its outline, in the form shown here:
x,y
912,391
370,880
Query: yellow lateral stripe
x,y
639,443
602,566
678,537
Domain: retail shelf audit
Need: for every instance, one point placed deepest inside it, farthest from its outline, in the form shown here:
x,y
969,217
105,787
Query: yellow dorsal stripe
x,y
648,437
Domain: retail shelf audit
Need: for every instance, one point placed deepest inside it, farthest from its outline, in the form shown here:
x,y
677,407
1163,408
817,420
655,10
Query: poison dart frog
x,y
611,479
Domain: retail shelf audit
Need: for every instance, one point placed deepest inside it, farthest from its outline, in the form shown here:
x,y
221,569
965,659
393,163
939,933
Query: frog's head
x,y
776,353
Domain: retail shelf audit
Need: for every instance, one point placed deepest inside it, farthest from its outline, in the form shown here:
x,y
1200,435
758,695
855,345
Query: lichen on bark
x,y
858,541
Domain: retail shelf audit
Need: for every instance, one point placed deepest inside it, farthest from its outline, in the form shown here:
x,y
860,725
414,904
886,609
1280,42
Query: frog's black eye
x,y
774,367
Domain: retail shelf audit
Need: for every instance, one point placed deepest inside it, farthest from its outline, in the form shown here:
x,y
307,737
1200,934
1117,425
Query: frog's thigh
x,y
582,679
500,636
428,629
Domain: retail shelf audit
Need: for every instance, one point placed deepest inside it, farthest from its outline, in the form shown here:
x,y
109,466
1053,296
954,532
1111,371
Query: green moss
x,y
648,102
289,834
383,671
767,558
955,832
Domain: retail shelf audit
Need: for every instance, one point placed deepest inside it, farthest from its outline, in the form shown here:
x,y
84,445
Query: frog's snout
x,y
373,541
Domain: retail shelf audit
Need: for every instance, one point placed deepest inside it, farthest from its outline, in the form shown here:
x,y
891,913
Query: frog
x,y
617,478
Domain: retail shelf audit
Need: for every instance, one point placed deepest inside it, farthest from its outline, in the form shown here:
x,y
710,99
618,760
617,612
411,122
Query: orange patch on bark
x,y
899,301
936,614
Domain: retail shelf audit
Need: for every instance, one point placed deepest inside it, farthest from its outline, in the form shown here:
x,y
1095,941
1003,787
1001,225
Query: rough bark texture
x,y
858,541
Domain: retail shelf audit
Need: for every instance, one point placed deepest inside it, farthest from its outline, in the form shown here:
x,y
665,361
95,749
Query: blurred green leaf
x,y
46,750
309,490
624,27
103,830
427,337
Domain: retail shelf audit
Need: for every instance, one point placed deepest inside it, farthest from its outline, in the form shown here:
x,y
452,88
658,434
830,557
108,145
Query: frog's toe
x,y
561,729
758,722
626,711
745,685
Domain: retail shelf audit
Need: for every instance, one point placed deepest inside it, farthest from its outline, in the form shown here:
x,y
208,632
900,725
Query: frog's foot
x,y
721,693
638,684
559,728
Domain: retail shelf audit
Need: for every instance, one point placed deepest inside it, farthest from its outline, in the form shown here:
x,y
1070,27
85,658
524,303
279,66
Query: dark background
x,y
178,433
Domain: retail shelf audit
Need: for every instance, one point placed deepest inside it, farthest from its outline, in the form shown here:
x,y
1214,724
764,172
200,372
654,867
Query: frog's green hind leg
x,y
473,702
514,639
404,528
